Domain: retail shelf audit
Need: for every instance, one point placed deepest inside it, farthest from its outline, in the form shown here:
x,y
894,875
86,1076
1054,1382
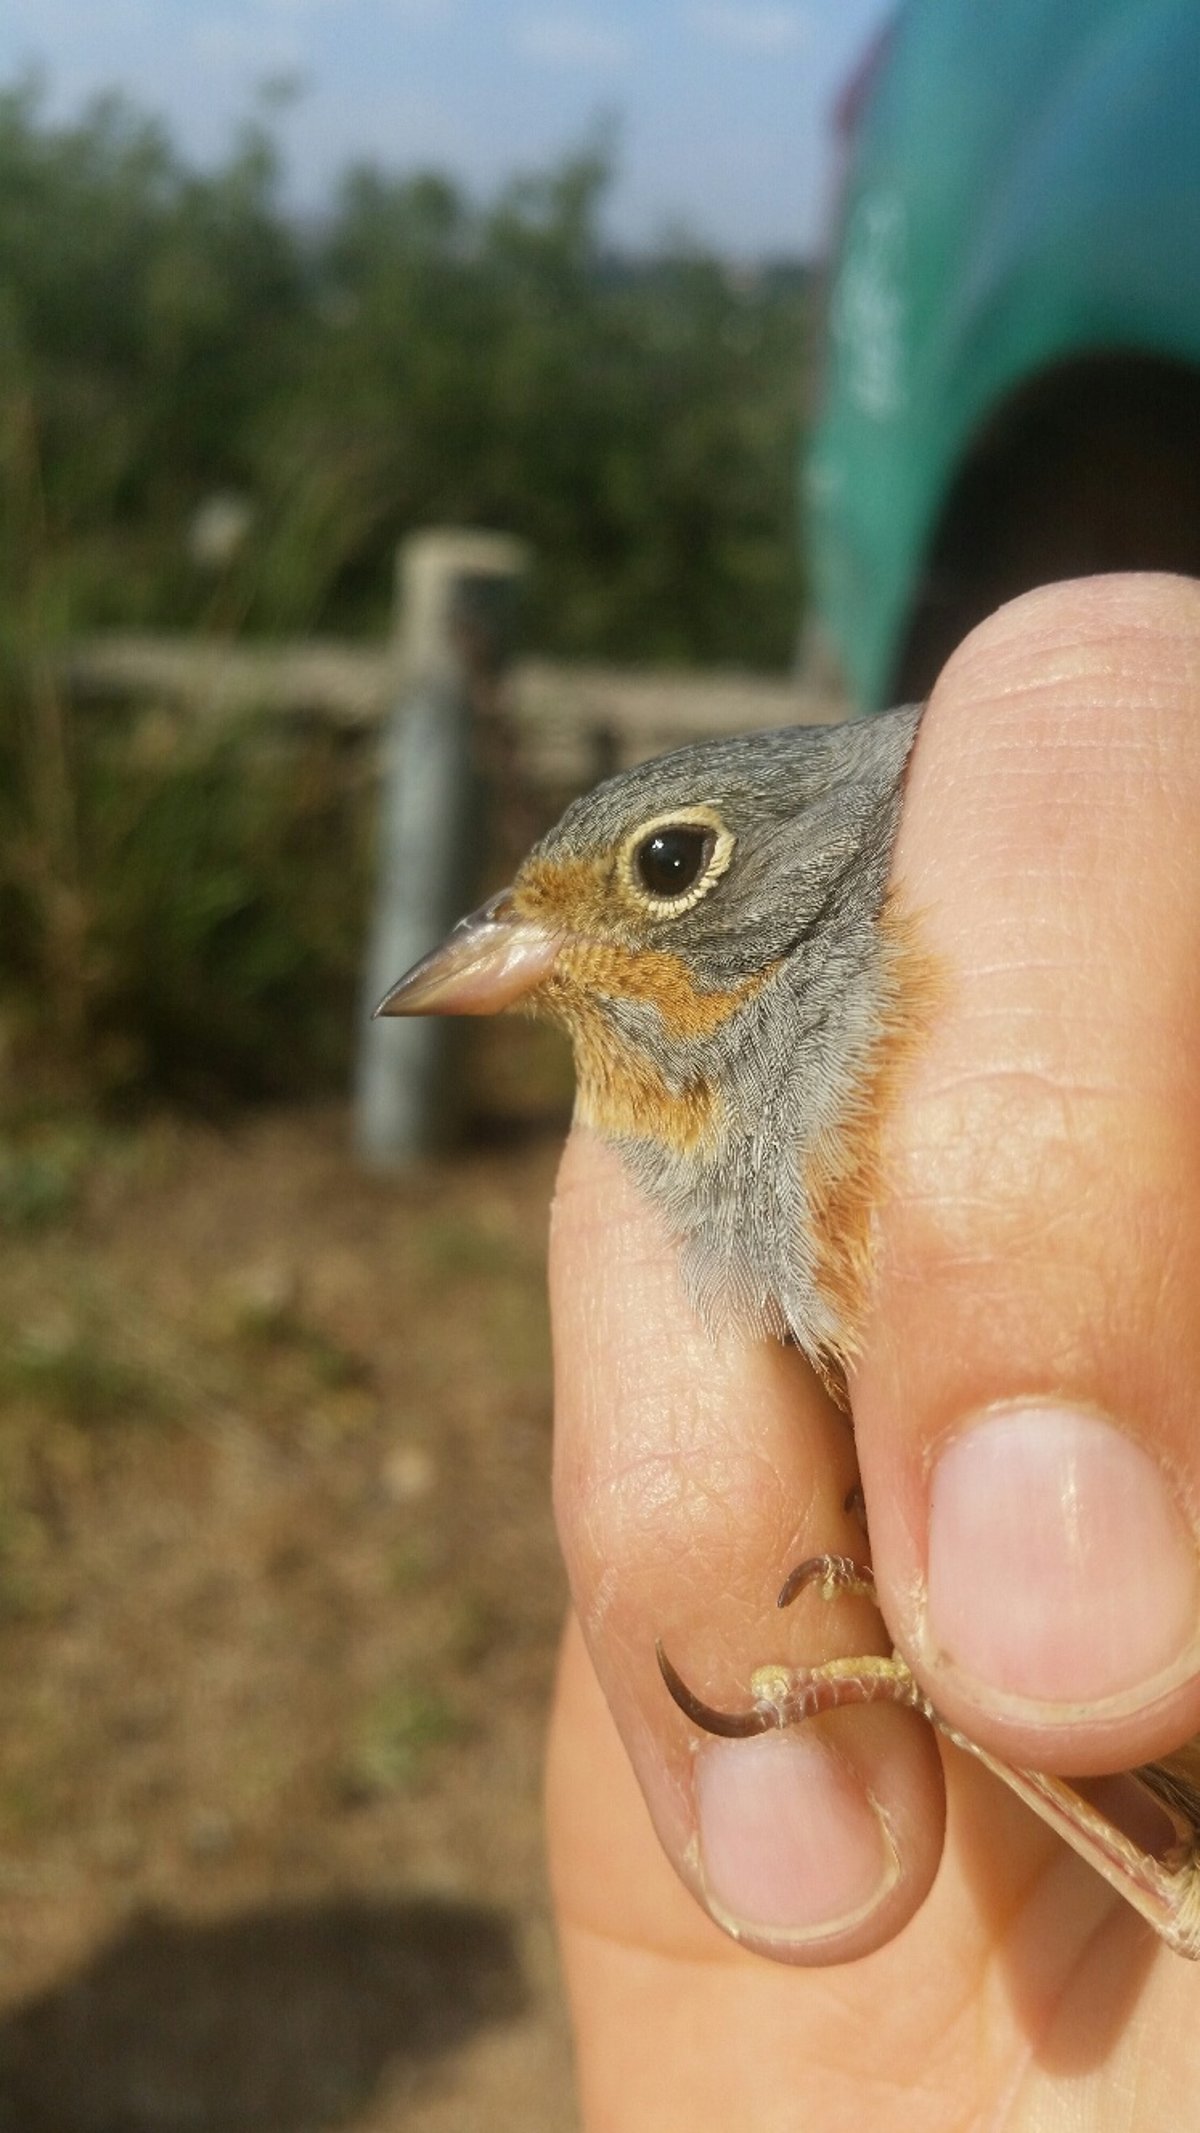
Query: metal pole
x,y
457,598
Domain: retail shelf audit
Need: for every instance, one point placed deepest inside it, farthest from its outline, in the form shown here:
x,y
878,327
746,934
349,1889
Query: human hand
x,y
1039,1241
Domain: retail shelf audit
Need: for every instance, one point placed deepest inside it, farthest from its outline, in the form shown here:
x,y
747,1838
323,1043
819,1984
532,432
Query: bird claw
x,y
786,1696
1162,1883
730,1725
833,1573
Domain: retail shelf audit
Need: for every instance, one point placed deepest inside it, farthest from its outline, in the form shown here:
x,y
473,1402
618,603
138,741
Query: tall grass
x,y
180,914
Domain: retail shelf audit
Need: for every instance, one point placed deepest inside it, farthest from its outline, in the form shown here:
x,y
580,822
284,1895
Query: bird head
x,y
664,900
705,928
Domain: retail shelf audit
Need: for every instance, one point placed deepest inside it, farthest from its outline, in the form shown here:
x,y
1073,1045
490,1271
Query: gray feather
x,y
814,813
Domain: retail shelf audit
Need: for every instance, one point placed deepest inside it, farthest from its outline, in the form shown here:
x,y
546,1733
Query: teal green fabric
x,y
1026,186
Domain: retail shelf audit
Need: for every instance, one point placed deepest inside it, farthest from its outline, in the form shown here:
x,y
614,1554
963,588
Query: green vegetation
x,y
72,1368
186,916
38,1185
418,359
397,1736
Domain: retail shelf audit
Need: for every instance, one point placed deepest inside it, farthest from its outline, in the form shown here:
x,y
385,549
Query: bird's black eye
x,y
668,864
672,858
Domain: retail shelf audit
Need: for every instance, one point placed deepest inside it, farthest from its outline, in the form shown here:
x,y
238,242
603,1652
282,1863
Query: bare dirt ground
x,y
279,1597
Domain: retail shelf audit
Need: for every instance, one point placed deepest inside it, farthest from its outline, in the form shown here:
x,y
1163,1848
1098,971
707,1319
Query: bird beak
x,y
493,959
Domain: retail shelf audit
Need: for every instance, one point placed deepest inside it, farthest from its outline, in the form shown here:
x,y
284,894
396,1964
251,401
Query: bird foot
x,y
785,1695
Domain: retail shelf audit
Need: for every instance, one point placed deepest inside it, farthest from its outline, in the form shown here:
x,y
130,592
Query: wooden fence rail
x,y
441,696
566,717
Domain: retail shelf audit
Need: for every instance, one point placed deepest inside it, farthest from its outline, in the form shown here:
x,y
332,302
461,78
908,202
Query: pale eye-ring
x,y
670,863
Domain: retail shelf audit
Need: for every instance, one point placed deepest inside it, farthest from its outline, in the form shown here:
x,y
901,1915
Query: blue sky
x,y
722,105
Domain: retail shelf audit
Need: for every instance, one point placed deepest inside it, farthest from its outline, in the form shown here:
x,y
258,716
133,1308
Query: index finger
x,y
690,1473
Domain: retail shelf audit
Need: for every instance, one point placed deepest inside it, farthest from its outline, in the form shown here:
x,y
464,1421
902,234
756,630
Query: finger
x,y
1013,1985
689,1475
647,1973
1026,1406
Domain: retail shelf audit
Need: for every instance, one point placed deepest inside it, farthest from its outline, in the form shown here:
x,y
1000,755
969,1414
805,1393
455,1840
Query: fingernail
x,y
1061,1570
792,1848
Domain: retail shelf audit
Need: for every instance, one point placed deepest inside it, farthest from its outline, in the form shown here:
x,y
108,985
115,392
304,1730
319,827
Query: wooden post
x,y
456,609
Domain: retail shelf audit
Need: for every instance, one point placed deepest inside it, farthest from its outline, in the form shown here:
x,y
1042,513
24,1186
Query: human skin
x,y
1024,1416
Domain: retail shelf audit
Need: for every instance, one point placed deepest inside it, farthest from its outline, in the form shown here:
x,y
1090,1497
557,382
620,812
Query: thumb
x,y
1026,1406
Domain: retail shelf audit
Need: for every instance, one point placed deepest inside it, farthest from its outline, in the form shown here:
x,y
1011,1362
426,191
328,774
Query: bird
x,y
714,932
717,934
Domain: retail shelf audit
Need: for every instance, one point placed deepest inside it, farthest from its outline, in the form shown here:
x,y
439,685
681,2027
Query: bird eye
x,y
667,865
672,858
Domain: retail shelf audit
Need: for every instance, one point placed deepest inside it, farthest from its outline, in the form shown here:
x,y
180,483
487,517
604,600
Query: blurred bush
x,y
177,915
214,417
169,338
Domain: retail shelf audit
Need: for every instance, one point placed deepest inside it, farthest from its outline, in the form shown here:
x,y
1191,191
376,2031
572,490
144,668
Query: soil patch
x,y
279,1597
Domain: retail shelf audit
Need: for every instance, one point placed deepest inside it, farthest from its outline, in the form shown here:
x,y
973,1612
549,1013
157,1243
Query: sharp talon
x,y
836,1572
731,1725
815,1568
855,1503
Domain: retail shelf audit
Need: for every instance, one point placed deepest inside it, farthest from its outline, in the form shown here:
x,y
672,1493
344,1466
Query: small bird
x,y
715,932
711,930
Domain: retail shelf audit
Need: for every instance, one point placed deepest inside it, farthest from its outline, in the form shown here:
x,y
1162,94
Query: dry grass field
x,y
279,1598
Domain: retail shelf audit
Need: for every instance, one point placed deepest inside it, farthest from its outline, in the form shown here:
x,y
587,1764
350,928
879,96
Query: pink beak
x,y
490,961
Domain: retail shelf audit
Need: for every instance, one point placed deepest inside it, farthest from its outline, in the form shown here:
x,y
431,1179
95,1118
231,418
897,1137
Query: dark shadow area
x,y
491,1133
277,2021
1092,466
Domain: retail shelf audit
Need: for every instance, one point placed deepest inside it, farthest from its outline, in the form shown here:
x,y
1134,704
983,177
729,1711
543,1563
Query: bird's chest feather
x,y
758,1135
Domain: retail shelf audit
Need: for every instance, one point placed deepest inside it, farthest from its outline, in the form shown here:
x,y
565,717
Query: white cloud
x,y
768,30
570,40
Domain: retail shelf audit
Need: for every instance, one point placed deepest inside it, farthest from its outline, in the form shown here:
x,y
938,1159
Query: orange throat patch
x,y
845,1178
621,1091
